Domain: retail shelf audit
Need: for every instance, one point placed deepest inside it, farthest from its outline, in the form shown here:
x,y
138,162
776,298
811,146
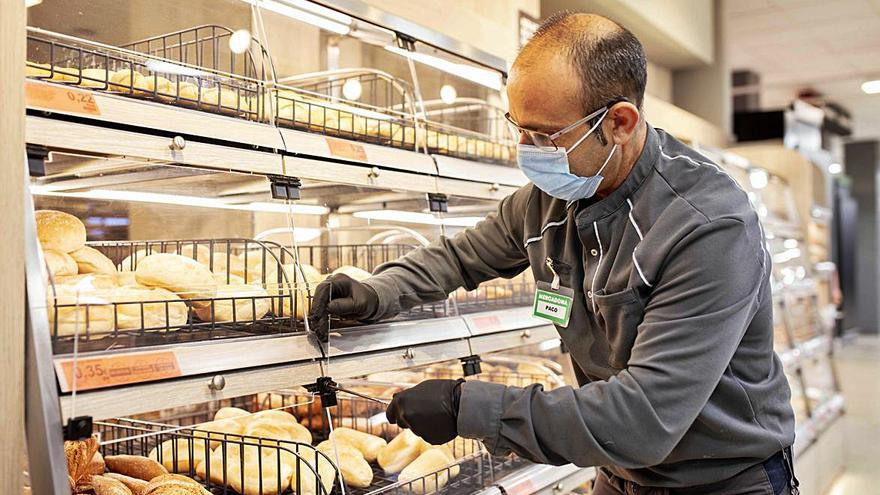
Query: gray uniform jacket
x,y
671,332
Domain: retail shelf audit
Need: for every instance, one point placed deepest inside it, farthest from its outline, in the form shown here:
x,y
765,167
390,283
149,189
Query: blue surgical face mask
x,y
550,171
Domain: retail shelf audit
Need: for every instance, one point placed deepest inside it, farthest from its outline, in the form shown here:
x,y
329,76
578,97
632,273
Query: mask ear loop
x,y
613,149
585,136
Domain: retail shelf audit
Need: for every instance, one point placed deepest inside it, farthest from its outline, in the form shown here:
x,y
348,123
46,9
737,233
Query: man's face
x,y
544,96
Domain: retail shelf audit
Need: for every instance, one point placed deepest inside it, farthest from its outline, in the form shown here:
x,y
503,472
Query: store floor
x,y
859,368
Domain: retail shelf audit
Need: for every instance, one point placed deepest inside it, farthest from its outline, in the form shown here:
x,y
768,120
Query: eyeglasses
x,y
547,141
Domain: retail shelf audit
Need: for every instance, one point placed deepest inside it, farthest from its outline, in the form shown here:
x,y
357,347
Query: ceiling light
x,y
759,178
485,77
835,168
352,89
240,41
174,199
871,87
307,12
416,217
448,94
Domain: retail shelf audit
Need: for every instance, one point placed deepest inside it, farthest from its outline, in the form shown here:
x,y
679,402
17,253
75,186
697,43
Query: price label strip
x,y
60,98
344,149
110,371
553,305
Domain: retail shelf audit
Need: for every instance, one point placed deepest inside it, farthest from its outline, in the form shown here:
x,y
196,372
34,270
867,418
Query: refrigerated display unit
x,y
194,173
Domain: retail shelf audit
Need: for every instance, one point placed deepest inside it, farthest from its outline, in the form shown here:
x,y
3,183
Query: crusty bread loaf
x,y
90,260
185,276
220,429
177,455
401,451
78,310
59,230
79,455
369,445
236,303
96,465
427,463
103,485
137,487
135,466
354,272
59,263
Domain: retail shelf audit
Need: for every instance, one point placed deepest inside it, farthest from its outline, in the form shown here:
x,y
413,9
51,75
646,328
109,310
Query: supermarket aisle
x,y
859,366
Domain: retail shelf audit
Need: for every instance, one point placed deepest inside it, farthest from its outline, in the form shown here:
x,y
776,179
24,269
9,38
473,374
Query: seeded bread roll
x,y
59,263
369,445
135,466
59,230
90,260
161,309
185,276
237,303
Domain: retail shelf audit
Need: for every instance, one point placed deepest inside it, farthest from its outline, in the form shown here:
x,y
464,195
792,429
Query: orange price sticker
x,y
485,323
60,98
345,149
92,373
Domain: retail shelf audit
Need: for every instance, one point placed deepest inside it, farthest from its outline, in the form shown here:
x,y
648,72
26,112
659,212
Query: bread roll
x,y
59,263
369,445
96,465
276,415
74,310
198,252
159,84
261,466
354,272
94,78
177,455
59,230
90,260
237,303
277,430
137,487
188,90
228,278
38,70
401,451
269,400
329,447
126,80
355,470
293,287
175,484
185,276
252,260
65,74
125,278
129,263
239,415
429,462
170,313
136,466
102,485
220,430
226,97
315,476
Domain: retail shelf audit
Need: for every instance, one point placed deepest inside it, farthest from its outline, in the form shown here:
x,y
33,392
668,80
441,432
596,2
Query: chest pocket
x,y
619,314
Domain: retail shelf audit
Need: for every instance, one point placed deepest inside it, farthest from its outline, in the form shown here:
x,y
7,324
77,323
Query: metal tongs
x,y
326,389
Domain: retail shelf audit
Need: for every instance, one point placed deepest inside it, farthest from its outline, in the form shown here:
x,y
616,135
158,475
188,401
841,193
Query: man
x,y
662,262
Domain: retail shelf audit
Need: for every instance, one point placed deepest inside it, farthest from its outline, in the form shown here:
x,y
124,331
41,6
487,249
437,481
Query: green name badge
x,y
553,305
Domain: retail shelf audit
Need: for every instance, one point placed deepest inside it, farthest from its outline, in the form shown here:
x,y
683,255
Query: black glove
x,y
341,295
430,410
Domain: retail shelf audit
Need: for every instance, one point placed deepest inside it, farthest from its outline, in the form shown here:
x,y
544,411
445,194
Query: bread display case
x,y
194,174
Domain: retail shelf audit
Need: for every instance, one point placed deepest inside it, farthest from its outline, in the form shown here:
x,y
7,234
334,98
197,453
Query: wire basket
x,y
256,292
224,463
471,129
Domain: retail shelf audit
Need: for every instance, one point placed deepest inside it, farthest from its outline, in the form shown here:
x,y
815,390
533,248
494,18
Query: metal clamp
x,y
525,334
373,173
177,143
409,354
495,187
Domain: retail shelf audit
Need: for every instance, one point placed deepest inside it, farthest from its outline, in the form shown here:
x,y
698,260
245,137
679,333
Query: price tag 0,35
x,y
110,371
553,305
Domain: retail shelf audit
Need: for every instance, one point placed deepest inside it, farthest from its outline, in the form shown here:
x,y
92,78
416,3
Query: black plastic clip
x,y
36,156
78,428
437,203
283,187
405,42
470,365
325,388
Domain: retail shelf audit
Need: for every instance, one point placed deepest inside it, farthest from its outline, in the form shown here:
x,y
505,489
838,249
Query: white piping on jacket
x,y
548,225
632,220
719,169
596,271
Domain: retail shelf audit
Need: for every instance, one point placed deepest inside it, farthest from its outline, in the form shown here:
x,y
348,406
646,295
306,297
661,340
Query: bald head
x,y
605,58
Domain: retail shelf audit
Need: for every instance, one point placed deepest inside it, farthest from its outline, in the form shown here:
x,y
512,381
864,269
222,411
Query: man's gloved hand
x,y
430,410
340,295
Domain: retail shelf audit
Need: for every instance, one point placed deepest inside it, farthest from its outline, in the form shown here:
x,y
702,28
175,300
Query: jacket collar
x,y
618,197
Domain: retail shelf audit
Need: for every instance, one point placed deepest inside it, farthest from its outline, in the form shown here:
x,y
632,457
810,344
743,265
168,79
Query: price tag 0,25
x,y
553,305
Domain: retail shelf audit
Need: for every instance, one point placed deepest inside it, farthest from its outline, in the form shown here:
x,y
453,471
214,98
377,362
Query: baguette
x,y
369,445
135,466
401,451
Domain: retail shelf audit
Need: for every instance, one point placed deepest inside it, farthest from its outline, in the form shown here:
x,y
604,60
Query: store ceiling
x,y
830,45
